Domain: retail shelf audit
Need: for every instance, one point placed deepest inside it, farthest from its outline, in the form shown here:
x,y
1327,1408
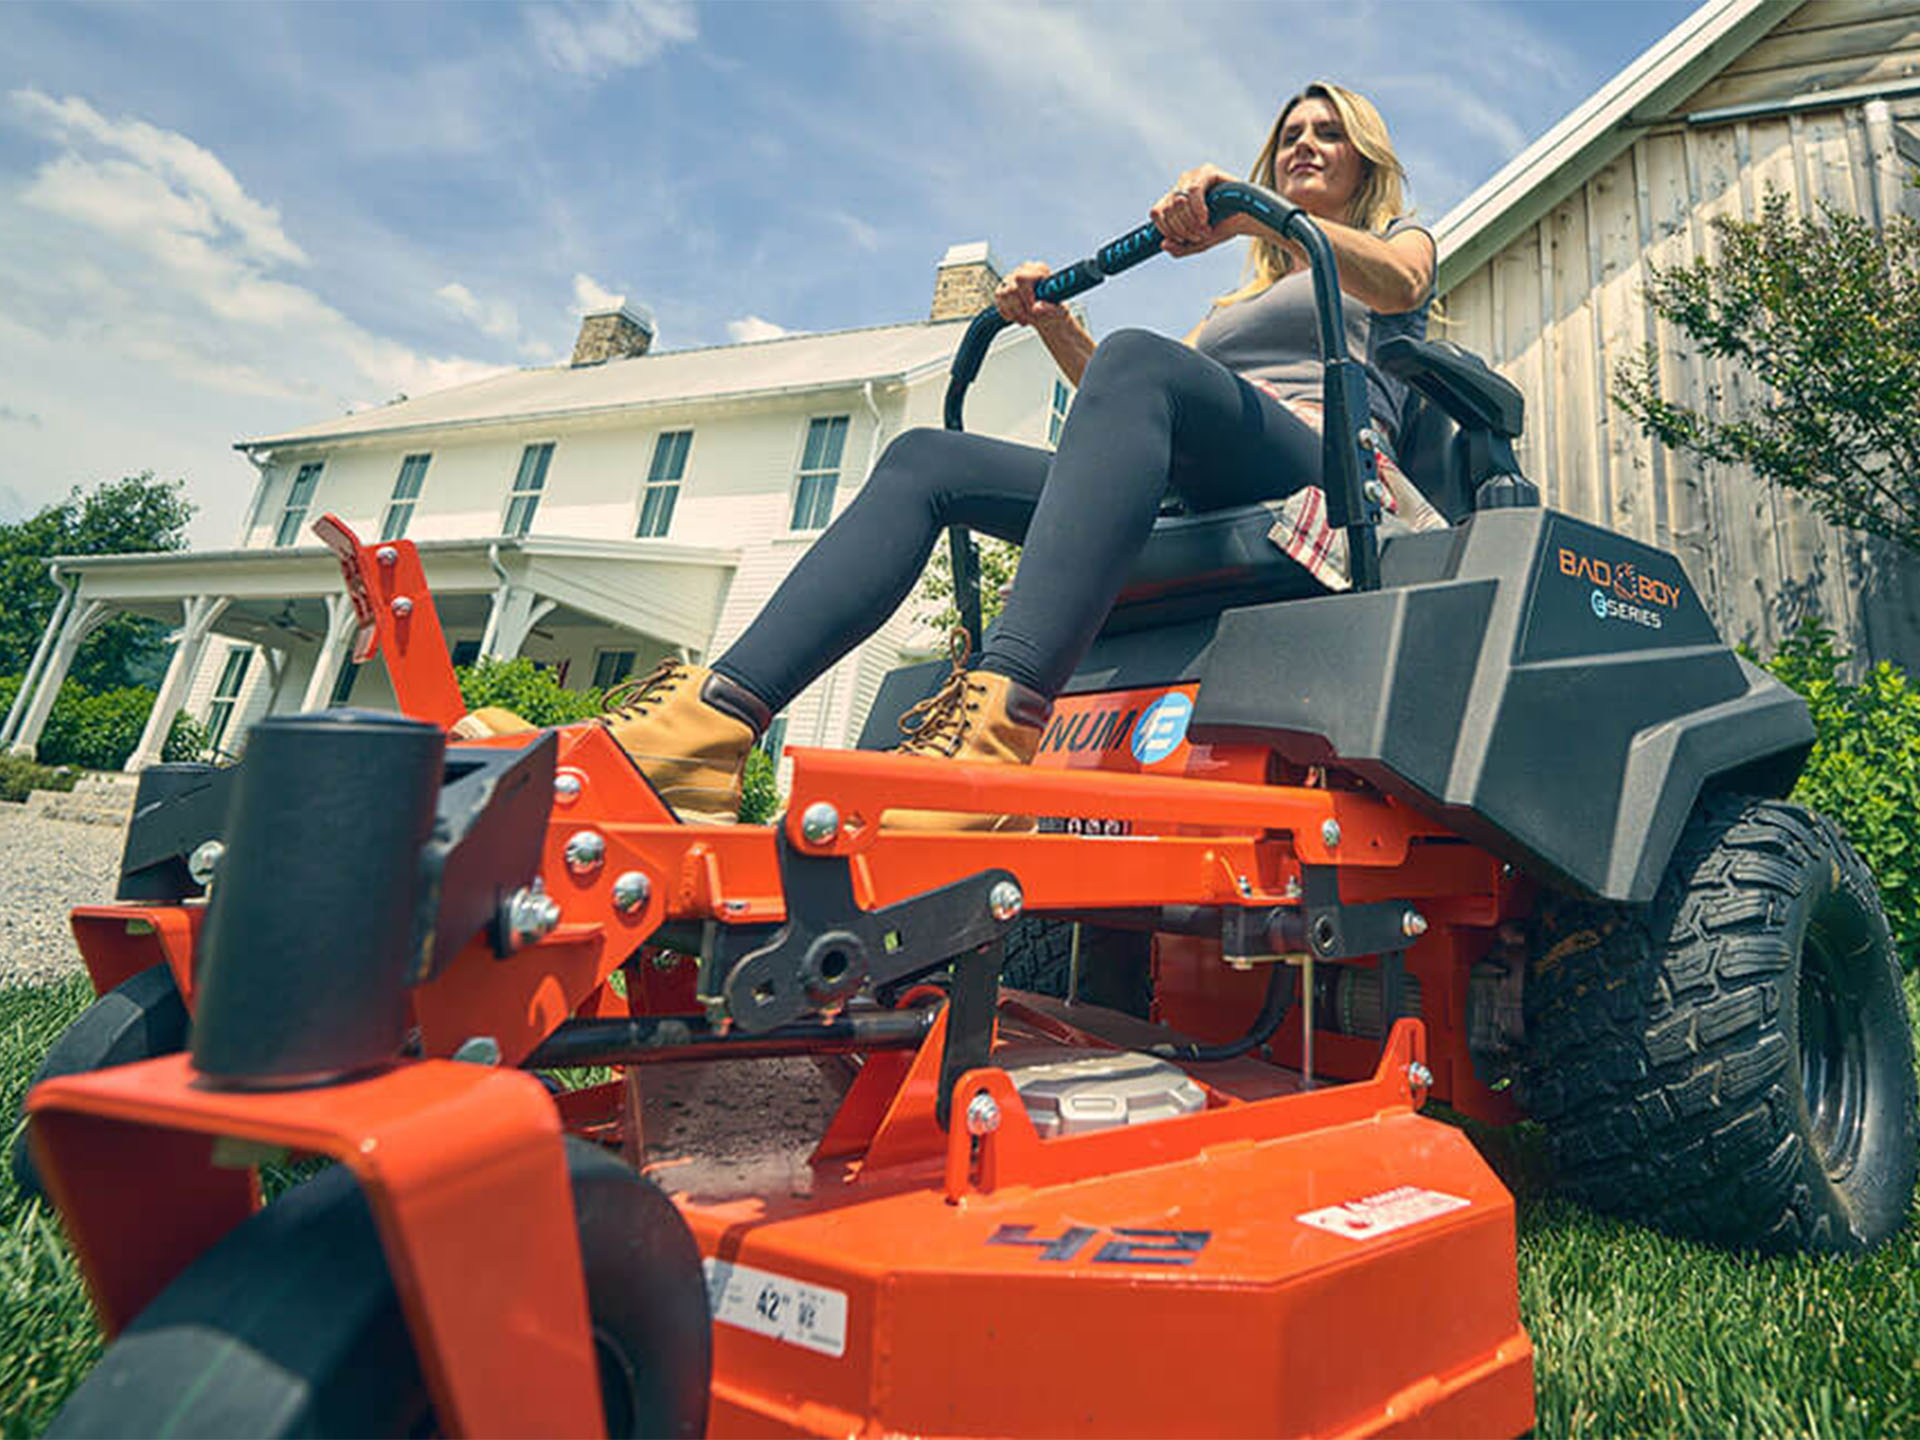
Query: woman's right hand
x,y
1013,298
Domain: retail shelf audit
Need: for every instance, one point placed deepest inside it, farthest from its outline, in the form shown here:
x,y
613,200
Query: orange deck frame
x,y
1303,1261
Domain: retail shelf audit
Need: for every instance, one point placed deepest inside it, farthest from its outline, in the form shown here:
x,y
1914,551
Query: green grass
x,y
1635,1333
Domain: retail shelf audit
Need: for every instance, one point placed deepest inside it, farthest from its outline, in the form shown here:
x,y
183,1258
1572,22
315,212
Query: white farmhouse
x,y
594,516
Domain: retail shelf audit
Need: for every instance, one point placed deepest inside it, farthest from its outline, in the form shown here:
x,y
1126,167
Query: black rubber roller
x,y
310,936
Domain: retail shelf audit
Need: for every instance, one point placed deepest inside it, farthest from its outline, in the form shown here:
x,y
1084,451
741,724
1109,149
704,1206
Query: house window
x,y
1057,411
299,497
610,667
406,491
527,486
819,473
663,482
226,693
465,652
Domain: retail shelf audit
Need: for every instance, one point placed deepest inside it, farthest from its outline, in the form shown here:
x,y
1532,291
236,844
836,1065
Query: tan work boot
x,y
688,729
976,716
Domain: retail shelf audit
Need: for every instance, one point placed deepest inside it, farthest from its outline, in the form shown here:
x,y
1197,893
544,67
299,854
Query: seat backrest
x,y
1432,456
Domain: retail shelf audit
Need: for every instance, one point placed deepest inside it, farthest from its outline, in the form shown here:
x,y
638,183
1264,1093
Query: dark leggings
x,y
1151,413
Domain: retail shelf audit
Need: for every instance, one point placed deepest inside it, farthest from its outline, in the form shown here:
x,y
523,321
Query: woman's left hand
x,y
1181,214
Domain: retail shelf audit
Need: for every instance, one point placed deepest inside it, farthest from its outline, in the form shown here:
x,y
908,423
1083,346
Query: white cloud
x,y
589,294
595,40
863,235
495,318
751,327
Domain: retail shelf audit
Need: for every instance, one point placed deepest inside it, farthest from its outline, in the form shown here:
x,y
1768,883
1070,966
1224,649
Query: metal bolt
x,y
585,850
478,1050
820,823
1005,900
1419,1076
566,787
1243,885
1330,833
1413,924
1292,892
983,1115
1369,438
205,860
402,605
665,960
630,891
1375,491
530,914
387,555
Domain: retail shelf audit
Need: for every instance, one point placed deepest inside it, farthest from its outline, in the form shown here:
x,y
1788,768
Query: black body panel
x,y
1555,692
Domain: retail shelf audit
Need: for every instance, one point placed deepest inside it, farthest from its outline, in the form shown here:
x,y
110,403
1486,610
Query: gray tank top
x,y
1273,336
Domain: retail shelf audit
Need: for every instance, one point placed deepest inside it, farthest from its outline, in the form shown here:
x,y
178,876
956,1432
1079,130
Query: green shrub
x,y
19,777
95,732
187,739
760,798
525,689
1865,767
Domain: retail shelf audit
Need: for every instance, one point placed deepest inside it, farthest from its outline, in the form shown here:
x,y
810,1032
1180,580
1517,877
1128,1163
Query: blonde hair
x,y
1376,201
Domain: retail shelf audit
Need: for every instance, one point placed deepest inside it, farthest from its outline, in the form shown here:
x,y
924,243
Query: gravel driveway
x,y
46,868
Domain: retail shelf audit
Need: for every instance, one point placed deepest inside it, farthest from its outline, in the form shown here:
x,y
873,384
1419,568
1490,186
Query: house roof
x,y
786,365
1639,97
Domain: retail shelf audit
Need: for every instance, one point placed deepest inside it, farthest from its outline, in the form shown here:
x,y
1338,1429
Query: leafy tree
x,y
132,515
934,597
760,789
1825,313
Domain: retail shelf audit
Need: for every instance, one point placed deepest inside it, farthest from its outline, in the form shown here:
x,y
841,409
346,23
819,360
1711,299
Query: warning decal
x,y
810,1316
1375,1215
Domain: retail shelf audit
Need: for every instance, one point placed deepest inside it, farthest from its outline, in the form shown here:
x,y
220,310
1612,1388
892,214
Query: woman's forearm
x,y
1389,276
1069,343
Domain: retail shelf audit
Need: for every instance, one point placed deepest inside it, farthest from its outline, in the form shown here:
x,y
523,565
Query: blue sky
x,y
225,220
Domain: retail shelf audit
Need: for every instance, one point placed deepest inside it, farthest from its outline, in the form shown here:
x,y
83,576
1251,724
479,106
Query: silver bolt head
x,y
1413,924
1005,900
1376,492
630,891
1369,438
205,860
585,850
1419,1076
983,1114
820,823
1330,833
532,915
402,605
567,787
478,1050
387,555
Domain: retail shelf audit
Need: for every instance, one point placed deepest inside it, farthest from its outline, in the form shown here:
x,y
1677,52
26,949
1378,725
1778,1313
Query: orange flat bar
x,y
398,620
462,1166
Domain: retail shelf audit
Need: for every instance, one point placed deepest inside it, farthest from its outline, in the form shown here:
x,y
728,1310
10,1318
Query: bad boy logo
x,y
1162,728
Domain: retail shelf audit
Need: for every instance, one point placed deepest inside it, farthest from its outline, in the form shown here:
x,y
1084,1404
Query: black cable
x,y
1273,1010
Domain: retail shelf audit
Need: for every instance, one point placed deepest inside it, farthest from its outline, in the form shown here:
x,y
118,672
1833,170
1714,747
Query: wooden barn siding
x,y
1824,45
1561,307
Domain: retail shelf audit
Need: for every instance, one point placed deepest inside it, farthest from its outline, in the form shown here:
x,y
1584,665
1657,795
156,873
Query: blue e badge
x,y
1161,729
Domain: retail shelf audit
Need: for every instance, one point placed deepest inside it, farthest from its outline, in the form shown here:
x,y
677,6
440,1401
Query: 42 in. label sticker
x,y
793,1311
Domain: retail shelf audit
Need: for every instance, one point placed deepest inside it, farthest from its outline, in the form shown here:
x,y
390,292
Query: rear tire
x,y
141,1018
290,1325
1116,966
1732,1063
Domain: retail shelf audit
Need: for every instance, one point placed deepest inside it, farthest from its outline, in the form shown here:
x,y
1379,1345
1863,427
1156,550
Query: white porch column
x,y
341,627
198,612
81,622
34,667
516,610
279,662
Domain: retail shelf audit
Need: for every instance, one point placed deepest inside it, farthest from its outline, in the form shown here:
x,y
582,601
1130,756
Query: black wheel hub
x,y
1833,1056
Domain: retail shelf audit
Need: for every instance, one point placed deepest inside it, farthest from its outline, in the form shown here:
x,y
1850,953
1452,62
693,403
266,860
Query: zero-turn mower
x,y
1499,827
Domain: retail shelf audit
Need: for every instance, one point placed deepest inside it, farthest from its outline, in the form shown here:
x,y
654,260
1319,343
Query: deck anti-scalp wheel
x,y
141,1018
290,1325
1733,1062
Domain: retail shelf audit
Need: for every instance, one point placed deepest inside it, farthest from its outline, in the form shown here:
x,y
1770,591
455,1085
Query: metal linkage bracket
x,y
830,947
1383,929
177,809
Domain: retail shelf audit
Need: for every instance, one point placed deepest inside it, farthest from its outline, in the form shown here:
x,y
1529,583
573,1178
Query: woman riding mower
x,y
1225,419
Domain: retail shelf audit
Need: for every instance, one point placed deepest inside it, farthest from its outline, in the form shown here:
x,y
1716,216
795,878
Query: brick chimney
x,y
616,332
965,282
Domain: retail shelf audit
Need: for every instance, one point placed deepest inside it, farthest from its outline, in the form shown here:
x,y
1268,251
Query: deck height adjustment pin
x,y
1005,900
630,891
820,823
585,850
